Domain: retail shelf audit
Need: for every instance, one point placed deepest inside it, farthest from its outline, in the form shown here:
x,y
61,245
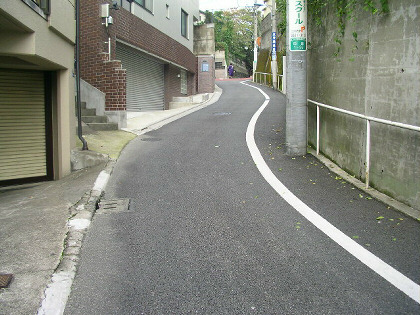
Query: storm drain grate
x,y
5,280
222,114
151,139
113,206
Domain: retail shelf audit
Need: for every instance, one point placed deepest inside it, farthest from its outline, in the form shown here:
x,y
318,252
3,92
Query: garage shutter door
x,y
22,125
145,80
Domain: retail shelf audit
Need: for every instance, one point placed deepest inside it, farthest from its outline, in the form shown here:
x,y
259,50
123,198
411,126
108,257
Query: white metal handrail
x,y
265,74
368,120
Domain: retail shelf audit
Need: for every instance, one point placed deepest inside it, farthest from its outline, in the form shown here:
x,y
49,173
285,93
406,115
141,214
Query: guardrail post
x,y
367,151
317,129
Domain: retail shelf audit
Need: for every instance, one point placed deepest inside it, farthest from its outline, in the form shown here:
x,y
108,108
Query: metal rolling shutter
x,y
145,80
22,125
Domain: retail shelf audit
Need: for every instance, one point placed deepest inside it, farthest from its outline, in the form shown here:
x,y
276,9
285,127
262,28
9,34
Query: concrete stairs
x,y
178,102
95,122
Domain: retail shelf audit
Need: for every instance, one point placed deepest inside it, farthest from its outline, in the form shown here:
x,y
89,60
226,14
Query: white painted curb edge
x,y
58,290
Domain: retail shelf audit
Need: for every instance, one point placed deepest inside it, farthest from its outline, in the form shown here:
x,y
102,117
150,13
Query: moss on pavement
x,y
107,142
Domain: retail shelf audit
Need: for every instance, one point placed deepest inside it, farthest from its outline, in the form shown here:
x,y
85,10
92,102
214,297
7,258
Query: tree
x,y
234,33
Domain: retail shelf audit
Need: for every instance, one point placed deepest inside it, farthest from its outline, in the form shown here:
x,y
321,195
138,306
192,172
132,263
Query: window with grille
x,y
219,65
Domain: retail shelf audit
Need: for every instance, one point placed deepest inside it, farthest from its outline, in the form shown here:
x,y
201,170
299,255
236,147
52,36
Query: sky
x,y
224,4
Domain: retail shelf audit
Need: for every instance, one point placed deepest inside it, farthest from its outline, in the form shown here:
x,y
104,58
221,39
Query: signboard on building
x,y
205,66
297,25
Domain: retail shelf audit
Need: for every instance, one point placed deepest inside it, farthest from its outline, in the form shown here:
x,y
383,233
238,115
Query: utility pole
x,y
273,44
296,104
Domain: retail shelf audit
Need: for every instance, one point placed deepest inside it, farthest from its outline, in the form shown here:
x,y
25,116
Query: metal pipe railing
x,y
259,75
368,119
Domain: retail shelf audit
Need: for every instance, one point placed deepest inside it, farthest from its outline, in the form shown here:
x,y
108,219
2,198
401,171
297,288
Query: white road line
x,y
390,274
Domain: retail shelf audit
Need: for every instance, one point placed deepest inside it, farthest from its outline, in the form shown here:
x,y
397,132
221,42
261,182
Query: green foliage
x,y
264,63
345,11
281,8
234,33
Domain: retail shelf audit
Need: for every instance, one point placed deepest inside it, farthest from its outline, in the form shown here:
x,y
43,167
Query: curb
x,y
81,214
188,110
397,205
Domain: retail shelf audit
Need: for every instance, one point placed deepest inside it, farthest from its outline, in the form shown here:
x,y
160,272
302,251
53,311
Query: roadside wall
x,y
240,70
204,49
221,71
378,75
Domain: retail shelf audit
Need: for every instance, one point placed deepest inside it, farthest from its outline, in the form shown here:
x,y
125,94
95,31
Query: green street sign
x,y
298,44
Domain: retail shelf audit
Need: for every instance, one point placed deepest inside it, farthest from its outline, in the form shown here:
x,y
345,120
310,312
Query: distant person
x,y
231,71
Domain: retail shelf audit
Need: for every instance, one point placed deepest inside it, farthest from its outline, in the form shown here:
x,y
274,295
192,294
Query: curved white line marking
x,y
390,274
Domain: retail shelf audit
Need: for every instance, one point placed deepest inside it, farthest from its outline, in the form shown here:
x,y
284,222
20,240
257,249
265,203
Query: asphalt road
x,y
206,234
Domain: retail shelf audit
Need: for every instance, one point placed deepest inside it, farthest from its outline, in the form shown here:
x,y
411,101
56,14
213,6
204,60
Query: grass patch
x,y
107,142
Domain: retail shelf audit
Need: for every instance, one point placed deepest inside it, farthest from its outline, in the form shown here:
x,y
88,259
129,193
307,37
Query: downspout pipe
x,y
78,102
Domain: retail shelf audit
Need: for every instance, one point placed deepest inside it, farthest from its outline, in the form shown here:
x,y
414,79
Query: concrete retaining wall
x,y
379,76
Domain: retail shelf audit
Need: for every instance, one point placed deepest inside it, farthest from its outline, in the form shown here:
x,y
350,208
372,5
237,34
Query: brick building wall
x,y
96,68
104,72
172,83
138,33
206,79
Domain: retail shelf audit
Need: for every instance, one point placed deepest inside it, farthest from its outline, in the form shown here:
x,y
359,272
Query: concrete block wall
x,y
379,76
204,39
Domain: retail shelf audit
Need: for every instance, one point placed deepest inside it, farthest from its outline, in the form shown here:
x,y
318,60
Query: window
x,y
146,4
40,6
167,11
125,4
219,65
183,82
184,23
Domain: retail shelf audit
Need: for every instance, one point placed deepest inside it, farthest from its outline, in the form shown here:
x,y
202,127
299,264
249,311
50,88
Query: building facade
x,y
138,52
36,89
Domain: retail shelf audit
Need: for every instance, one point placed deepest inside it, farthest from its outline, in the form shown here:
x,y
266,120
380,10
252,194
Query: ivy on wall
x,y
345,11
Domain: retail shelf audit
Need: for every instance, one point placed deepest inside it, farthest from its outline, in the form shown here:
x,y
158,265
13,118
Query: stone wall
x,y
378,75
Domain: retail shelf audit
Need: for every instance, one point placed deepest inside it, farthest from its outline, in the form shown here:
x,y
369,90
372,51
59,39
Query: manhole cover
x,y
151,139
5,280
222,114
113,206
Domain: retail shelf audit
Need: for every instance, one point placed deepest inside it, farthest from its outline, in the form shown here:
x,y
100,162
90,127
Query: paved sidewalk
x,y
37,220
33,229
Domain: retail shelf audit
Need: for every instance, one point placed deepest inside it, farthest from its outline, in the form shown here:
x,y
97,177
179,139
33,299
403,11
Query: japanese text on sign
x,y
273,44
297,25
